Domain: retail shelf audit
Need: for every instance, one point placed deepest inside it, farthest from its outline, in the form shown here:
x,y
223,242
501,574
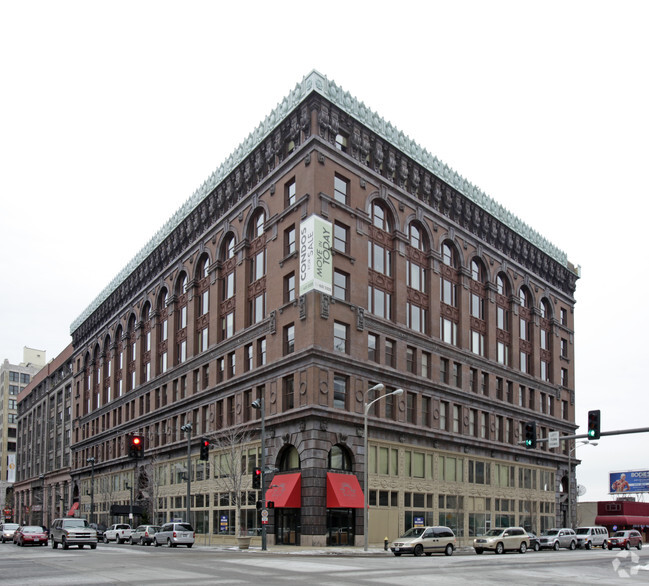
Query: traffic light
x,y
594,424
256,478
530,435
205,449
135,446
270,504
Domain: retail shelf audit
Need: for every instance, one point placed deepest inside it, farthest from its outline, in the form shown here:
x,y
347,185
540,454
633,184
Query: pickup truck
x,y
120,532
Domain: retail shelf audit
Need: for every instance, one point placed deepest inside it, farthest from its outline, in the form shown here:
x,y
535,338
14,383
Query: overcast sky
x,y
113,113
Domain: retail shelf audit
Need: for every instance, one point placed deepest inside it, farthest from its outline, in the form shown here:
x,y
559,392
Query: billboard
x,y
628,481
316,270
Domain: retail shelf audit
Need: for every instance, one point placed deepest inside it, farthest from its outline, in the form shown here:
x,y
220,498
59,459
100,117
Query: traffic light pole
x,y
602,434
187,428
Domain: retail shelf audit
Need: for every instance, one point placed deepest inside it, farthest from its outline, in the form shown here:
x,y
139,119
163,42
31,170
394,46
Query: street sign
x,y
264,513
553,439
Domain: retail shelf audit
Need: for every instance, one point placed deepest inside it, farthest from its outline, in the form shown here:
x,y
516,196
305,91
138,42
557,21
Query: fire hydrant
x,y
385,544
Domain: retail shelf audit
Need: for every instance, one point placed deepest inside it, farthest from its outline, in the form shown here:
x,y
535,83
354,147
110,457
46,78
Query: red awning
x,y
286,491
344,492
621,520
73,508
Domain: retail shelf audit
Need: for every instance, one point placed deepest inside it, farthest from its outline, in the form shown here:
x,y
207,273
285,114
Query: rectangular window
x,y
545,370
261,352
564,348
289,339
258,268
390,353
443,370
202,340
287,392
485,383
341,285
248,363
502,353
340,391
545,336
379,258
564,377
372,347
227,325
182,351
411,360
502,317
448,330
341,189
341,334
205,302
228,286
231,365
473,380
564,317
289,288
341,238
290,192
183,320
416,317
477,343
457,375
524,362
477,306
258,308
411,408
425,365
448,292
416,276
456,419
443,415
425,411
524,334
379,302
289,241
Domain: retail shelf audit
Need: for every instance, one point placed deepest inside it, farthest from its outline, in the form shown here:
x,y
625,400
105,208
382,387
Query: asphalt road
x,y
124,564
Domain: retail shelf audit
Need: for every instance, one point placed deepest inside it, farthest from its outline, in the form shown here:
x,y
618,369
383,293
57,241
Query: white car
x,y
174,534
119,532
557,538
7,531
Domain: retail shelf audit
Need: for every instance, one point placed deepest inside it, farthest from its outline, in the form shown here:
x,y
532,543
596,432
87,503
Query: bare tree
x,y
231,445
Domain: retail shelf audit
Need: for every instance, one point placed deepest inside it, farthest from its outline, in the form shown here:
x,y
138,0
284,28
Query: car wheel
x,y
169,544
189,544
556,546
639,545
523,547
93,546
130,541
156,543
54,544
419,549
589,545
105,539
610,547
537,546
449,549
627,546
500,548
573,546
64,543
396,554
478,551
81,546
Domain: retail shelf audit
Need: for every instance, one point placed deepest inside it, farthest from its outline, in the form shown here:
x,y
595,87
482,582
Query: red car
x,y
625,539
33,534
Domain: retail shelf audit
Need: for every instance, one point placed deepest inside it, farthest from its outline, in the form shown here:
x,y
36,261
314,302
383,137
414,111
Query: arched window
x,y
96,378
119,362
525,329
449,280
339,459
181,317
417,280
87,383
546,340
163,331
256,290
289,459
257,224
503,317
379,260
108,367
131,353
228,277
478,307
145,375
202,304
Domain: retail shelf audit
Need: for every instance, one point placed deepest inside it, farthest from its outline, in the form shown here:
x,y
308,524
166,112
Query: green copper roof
x,y
317,82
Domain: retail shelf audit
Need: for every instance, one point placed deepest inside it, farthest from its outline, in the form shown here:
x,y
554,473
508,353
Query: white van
x,y
591,536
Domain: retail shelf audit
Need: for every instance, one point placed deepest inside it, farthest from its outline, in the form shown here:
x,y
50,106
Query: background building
x,y
420,282
13,378
43,489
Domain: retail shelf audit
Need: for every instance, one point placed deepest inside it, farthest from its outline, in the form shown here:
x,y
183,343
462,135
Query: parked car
x,y
502,539
428,540
557,538
72,531
30,534
535,542
99,528
143,534
625,539
119,532
174,534
591,536
7,531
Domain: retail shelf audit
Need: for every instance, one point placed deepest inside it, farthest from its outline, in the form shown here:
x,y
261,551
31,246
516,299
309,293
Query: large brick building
x,y
434,288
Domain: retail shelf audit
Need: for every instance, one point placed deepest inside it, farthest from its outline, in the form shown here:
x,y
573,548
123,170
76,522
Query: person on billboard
x,y
621,484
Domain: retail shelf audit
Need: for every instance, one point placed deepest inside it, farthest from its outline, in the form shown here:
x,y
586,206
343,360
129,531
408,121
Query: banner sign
x,y
629,481
11,472
316,270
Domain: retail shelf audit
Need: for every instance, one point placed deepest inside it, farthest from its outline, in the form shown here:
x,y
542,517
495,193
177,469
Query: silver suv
x,y
72,531
174,534
428,540
502,540
557,538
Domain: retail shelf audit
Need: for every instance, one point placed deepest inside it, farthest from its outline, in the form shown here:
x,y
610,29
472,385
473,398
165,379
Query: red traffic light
x,y
136,446
136,441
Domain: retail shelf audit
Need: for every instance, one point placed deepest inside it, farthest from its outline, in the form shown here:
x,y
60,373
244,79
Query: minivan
x,y
428,540
589,537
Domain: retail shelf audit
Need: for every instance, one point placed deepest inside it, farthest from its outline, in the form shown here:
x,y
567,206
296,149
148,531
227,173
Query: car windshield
x,y
75,523
10,526
32,529
619,534
494,532
582,531
552,532
414,532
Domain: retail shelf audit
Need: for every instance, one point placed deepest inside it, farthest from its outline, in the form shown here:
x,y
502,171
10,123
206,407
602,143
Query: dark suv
x,y
625,539
72,531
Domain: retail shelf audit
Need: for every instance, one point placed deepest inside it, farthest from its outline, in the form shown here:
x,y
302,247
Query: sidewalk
x,y
347,551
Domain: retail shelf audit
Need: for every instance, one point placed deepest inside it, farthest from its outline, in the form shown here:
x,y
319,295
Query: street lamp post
x,y
366,511
259,404
577,445
91,461
187,428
